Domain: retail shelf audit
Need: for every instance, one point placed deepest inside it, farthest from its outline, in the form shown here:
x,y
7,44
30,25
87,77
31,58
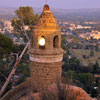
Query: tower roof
x,y
46,19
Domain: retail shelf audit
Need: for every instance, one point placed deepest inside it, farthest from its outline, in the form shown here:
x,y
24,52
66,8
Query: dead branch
x,y
14,69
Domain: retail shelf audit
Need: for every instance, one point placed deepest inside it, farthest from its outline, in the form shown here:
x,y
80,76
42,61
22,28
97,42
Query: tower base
x,y
45,74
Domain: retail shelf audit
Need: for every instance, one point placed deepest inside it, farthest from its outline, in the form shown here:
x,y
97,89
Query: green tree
x,y
92,53
63,43
95,67
85,78
25,20
17,48
6,45
70,74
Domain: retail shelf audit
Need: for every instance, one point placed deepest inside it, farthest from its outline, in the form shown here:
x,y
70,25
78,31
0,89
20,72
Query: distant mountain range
x,y
78,14
7,13
60,14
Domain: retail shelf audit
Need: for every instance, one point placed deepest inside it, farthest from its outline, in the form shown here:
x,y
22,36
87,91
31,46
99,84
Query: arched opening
x,y
41,42
55,42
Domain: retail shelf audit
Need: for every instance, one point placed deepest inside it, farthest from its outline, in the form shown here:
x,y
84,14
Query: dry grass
x,y
63,92
79,54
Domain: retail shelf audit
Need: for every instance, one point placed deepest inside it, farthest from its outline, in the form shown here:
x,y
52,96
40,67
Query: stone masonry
x,y
45,73
46,62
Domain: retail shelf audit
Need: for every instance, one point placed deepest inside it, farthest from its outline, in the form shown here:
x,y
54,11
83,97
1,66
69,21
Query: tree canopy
x,y
6,45
25,20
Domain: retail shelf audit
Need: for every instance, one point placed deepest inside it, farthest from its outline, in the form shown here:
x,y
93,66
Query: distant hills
x,y
78,14
60,14
7,13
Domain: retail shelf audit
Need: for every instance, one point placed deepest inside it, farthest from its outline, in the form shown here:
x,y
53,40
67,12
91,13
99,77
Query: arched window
x,y
55,42
41,41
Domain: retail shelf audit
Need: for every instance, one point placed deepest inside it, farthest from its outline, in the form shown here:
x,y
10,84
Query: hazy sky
x,y
65,4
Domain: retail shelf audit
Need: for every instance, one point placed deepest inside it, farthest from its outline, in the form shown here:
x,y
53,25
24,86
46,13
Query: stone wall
x,y
44,74
17,92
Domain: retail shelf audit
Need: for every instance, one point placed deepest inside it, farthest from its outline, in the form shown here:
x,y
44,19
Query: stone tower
x,y
45,53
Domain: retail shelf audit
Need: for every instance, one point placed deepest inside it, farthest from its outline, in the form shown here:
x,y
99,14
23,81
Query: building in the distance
x,y
5,26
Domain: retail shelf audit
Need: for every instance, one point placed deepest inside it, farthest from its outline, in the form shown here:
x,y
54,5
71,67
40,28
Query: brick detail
x,y
44,74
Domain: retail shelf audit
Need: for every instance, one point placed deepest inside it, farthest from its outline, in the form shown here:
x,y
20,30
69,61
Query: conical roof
x,y
47,18
47,21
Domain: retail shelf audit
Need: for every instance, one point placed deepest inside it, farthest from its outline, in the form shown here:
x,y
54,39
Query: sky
x,y
63,4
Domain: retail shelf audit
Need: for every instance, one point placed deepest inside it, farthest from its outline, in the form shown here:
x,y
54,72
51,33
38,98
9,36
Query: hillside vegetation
x,y
85,56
